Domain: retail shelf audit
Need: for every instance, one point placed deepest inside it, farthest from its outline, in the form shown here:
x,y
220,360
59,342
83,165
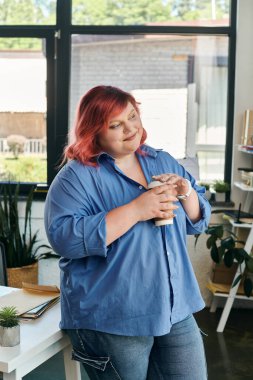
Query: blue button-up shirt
x,y
143,282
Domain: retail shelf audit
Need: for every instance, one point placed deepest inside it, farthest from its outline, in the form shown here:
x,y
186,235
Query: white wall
x,y
243,88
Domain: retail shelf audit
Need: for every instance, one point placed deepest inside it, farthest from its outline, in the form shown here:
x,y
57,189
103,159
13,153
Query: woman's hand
x,y
180,183
191,203
156,203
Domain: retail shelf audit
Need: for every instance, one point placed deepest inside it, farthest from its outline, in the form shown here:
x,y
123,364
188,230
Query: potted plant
x,y
21,245
221,188
207,187
225,248
9,327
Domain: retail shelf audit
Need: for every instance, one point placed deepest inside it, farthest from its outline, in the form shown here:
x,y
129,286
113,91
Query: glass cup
x,y
160,221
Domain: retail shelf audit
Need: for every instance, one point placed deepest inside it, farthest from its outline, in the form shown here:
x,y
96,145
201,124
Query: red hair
x,y
95,109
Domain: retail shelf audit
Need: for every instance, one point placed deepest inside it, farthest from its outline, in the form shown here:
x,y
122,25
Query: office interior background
x,y
188,63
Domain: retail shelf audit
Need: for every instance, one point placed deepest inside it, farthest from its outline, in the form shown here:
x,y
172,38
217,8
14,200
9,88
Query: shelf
x,y
237,296
243,148
242,186
241,225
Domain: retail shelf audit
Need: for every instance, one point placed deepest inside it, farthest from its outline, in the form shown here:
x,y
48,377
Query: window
x,y
27,12
23,109
175,54
178,79
146,12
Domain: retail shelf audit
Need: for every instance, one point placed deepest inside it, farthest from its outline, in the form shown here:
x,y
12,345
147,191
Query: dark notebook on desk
x,y
39,310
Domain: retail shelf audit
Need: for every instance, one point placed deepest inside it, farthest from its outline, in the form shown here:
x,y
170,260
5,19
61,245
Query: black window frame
x,y
58,86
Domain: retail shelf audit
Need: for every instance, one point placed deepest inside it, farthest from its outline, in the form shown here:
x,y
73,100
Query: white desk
x,y
39,341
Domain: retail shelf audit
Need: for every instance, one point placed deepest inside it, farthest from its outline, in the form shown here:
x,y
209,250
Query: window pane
x,y
27,12
212,165
22,111
181,82
160,12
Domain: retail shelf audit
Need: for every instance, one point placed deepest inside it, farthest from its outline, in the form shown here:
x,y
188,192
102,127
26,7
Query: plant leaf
x,y
239,254
196,239
238,278
228,242
249,264
248,286
215,254
215,231
229,258
211,241
21,246
221,252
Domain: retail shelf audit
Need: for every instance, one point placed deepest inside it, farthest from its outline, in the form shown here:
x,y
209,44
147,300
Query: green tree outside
x,y
110,12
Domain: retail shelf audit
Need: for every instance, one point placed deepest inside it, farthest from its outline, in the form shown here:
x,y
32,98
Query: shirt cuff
x,y
94,232
202,224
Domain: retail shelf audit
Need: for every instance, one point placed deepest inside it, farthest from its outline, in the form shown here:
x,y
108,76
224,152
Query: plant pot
x,y
223,274
220,197
28,273
9,336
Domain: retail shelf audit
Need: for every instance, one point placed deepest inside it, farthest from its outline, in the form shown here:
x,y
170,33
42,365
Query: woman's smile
x,y
130,138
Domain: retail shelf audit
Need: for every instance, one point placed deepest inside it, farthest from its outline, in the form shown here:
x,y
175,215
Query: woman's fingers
x,y
166,188
168,177
173,180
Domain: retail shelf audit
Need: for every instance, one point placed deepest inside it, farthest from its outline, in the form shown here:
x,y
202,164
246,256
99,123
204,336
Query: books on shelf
x,y
247,131
246,148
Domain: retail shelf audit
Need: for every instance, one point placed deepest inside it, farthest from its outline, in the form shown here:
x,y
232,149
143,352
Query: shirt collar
x,y
152,152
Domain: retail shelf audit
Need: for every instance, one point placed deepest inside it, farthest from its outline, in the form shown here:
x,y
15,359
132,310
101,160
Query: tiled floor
x,y
229,355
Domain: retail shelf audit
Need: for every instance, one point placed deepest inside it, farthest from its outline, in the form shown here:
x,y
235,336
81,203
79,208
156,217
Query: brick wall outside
x,y
150,62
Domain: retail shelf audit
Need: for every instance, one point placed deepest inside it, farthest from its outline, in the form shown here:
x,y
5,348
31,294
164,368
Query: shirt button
x,y
168,253
140,187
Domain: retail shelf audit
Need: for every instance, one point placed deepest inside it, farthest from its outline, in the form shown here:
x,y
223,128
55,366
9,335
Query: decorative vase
x,y
9,336
28,273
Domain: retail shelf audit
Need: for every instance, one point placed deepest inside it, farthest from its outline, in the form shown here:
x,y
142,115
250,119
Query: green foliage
x,y
199,10
9,317
109,12
220,186
21,247
27,12
229,250
204,184
17,43
25,169
124,12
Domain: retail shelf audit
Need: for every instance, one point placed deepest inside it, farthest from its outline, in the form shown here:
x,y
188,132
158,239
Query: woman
x,y
128,290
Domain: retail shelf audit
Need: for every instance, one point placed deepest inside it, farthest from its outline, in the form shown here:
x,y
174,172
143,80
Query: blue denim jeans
x,y
177,355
